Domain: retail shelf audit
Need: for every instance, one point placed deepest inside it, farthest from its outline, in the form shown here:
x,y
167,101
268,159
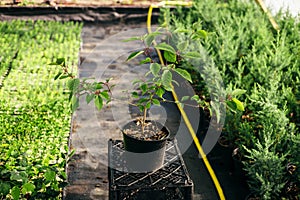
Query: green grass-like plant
x,y
34,119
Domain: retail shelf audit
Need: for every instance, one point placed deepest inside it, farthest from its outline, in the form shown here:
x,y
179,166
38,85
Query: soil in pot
x,y
144,150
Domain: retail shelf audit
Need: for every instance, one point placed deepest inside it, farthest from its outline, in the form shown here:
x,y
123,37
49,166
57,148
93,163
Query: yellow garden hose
x,y
265,10
183,114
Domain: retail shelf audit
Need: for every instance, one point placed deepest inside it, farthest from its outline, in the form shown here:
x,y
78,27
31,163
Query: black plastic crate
x,y
171,182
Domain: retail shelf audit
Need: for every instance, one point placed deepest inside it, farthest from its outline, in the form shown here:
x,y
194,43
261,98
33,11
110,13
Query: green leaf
x,y
132,39
201,34
19,176
52,63
141,108
181,105
156,102
185,74
149,39
182,46
147,60
175,82
64,76
136,81
192,54
64,175
239,104
49,175
182,30
46,160
73,84
144,88
165,47
152,87
28,188
74,103
148,105
238,92
105,95
195,98
58,75
98,85
71,94
108,80
71,153
4,188
135,95
142,100
167,80
170,57
15,192
155,68
159,92
196,25
148,73
134,54
60,61
89,97
99,102
231,105
185,98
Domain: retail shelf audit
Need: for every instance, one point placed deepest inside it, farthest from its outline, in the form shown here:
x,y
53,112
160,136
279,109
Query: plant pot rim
x,y
223,138
152,140
251,195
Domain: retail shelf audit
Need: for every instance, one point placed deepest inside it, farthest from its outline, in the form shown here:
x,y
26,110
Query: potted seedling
x,y
144,139
142,136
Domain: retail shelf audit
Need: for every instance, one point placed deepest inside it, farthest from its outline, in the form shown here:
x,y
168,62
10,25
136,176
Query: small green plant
x,y
265,170
159,77
148,92
94,90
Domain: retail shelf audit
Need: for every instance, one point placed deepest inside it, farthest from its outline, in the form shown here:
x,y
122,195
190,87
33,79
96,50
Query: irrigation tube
x,y
265,10
183,114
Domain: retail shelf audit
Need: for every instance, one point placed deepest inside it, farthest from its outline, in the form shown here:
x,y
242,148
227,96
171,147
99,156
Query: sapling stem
x,y
144,119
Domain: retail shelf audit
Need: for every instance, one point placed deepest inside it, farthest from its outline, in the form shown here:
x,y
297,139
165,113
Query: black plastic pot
x,y
238,167
144,155
252,196
224,150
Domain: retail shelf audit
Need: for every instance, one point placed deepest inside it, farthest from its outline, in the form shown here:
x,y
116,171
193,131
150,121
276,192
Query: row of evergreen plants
x,y
253,57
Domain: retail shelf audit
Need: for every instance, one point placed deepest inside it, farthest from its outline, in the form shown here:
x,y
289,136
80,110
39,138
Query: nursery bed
x,y
102,31
88,178
34,115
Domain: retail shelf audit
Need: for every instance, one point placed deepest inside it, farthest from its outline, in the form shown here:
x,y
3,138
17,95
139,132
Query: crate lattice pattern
x,y
170,182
